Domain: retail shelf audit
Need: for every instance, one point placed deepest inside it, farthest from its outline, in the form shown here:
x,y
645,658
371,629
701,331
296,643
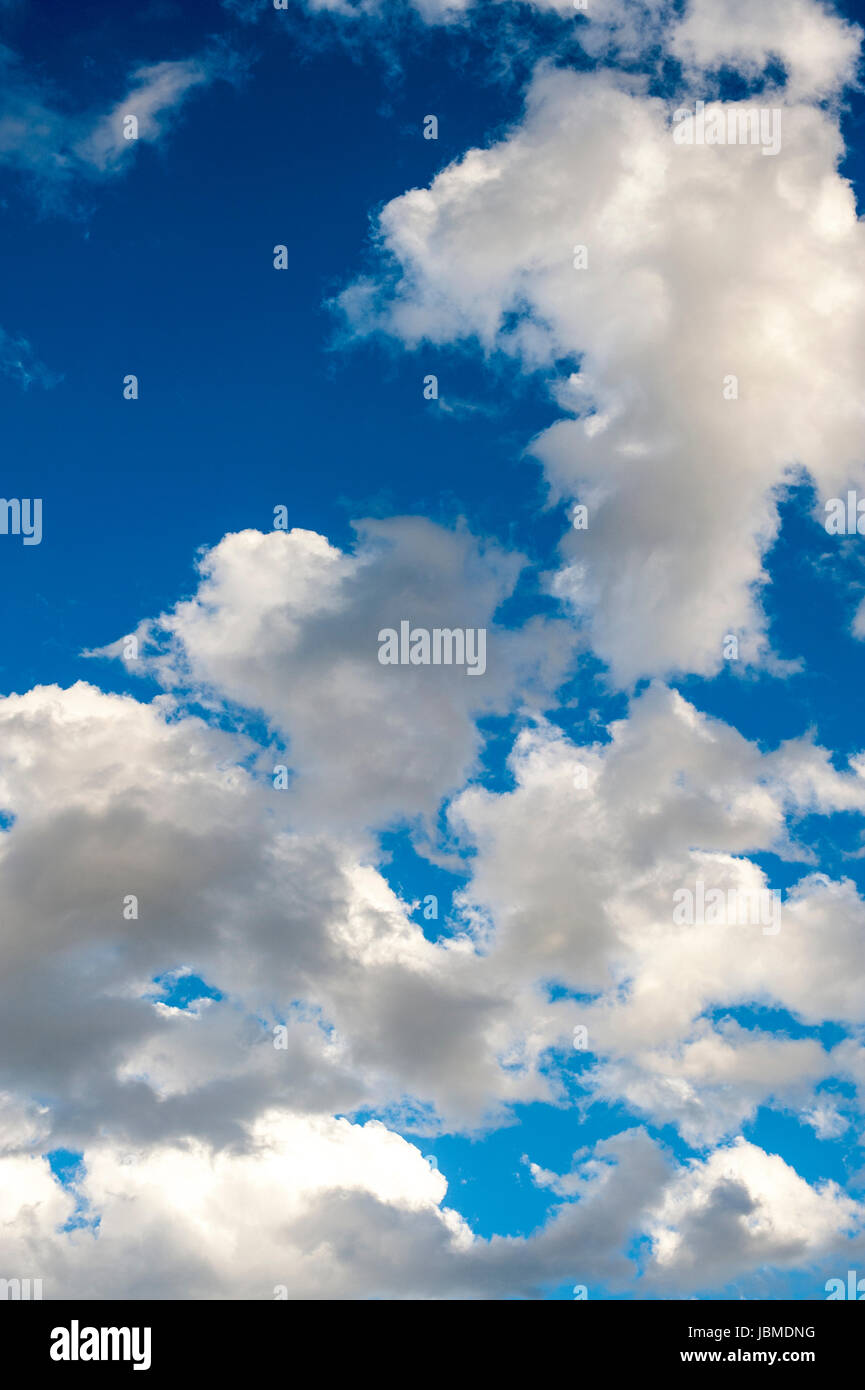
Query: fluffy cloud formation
x,y
218,1164
573,874
112,799
745,1209
320,1209
717,323
181,1222
326,1209
579,867
572,881
288,625
818,50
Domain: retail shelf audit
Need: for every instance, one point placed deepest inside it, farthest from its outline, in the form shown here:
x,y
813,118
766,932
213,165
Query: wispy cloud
x,y
57,149
19,362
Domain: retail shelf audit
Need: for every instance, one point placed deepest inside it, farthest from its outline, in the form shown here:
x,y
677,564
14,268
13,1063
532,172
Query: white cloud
x,y
183,1222
217,1163
327,1209
704,263
155,91
578,868
287,624
60,151
569,884
742,1209
111,796
818,49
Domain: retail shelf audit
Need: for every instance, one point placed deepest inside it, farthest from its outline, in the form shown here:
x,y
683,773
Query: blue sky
x,y
260,388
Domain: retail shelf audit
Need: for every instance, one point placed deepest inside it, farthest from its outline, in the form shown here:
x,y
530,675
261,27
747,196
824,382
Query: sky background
x,y
709,1143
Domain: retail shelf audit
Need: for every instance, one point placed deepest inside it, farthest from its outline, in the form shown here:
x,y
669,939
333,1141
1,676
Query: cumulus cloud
x,y
716,316
744,1209
579,867
573,879
297,929
817,49
287,624
327,1209
148,844
294,929
181,1222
